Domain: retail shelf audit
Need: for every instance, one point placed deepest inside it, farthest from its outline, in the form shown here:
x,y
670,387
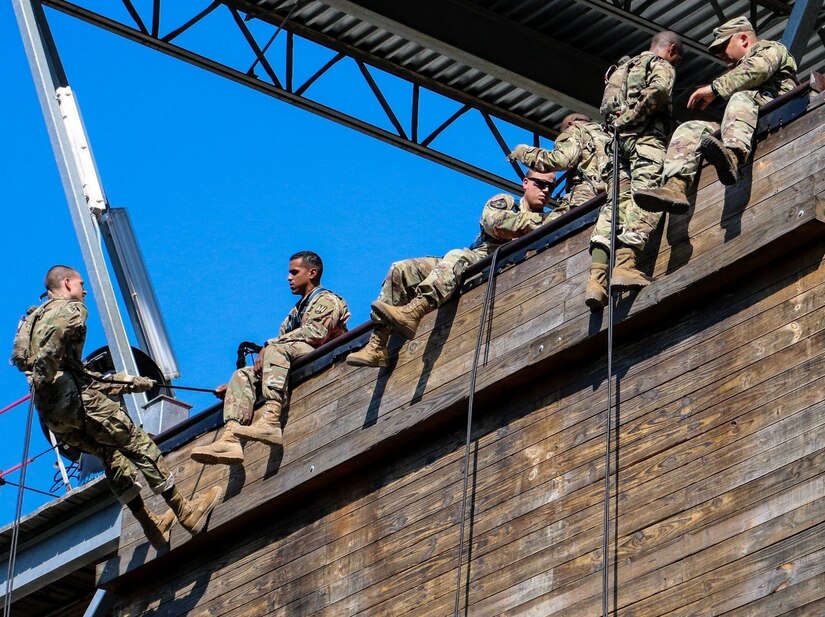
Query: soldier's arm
x,y
750,73
654,96
565,155
68,325
322,317
503,223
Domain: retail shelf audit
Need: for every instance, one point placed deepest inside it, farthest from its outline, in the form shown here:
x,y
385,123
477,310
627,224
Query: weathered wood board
x,y
720,382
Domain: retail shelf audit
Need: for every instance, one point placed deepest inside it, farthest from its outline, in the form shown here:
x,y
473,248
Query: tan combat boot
x,y
596,295
724,159
375,352
625,275
267,428
193,514
403,319
669,198
155,529
225,451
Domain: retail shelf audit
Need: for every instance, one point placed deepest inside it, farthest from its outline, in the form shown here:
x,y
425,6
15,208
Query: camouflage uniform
x,y
643,127
583,149
324,318
436,279
766,72
79,410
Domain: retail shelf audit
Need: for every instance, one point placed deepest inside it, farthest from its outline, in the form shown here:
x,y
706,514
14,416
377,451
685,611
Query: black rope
x,y
609,418
491,281
159,385
15,534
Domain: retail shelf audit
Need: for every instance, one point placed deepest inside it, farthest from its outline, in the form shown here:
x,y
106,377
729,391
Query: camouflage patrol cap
x,y
727,30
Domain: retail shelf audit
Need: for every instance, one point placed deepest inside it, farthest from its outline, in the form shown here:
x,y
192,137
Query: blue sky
x,y
222,184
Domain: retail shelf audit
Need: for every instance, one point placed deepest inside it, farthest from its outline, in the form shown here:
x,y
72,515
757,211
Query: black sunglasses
x,y
544,185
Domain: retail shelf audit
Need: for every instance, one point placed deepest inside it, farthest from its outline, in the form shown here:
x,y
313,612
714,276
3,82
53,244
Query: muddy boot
x,y
155,529
669,198
625,275
193,514
225,451
403,319
267,428
375,352
596,295
724,159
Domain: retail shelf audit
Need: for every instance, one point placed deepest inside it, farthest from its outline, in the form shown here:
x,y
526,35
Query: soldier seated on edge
x,y
414,287
318,317
759,71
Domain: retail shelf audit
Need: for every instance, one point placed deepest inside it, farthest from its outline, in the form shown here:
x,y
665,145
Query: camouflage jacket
x,y
647,104
57,338
322,317
58,335
504,219
582,148
767,67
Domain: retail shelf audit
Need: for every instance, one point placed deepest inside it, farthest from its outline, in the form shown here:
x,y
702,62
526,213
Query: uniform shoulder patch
x,y
502,201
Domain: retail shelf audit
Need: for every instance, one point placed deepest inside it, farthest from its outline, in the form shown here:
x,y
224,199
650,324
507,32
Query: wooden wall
x,y
721,399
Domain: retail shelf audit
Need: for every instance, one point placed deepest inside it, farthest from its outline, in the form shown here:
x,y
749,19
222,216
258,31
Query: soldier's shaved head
x,y
57,274
571,118
668,45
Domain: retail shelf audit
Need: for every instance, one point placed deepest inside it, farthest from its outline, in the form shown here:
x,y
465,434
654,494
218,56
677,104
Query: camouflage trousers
x,y
576,195
87,419
738,126
433,278
247,388
641,158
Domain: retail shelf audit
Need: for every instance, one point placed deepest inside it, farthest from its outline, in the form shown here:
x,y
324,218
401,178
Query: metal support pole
x,y
801,24
81,184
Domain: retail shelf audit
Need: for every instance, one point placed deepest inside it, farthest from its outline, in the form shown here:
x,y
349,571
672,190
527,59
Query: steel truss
x,y
261,75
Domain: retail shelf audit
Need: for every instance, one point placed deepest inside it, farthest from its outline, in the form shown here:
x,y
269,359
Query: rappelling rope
x,y
473,373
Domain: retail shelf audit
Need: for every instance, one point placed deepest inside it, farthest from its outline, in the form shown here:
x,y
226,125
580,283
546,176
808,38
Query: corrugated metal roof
x,y
595,28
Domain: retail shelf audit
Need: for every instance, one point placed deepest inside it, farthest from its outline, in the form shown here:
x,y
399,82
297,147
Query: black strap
x,y
301,308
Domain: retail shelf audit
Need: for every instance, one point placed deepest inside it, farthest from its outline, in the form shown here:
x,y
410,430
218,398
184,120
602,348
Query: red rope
x,y
15,404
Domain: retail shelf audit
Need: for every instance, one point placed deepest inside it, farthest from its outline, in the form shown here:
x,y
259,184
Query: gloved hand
x,y
519,153
141,383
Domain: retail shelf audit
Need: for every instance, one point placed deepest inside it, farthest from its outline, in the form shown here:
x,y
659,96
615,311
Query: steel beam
x,y
86,538
800,27
49,77
282,94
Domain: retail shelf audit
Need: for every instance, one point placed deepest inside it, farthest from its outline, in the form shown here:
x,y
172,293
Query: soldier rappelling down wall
x,y
319,316
759,71
414,287
636,104
76,405
580,149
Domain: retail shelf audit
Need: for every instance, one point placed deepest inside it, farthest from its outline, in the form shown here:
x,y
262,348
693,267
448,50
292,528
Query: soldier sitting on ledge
x,y
414,287
759,72
318,317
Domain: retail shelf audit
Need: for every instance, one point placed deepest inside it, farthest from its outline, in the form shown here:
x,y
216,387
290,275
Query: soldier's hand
x,y
141,384
702,97
220,392
258,367
518,153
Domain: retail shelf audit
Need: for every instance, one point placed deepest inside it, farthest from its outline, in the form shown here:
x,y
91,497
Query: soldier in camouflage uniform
x,y
318,317
581,149
76,405
414,287
639,110
758,72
